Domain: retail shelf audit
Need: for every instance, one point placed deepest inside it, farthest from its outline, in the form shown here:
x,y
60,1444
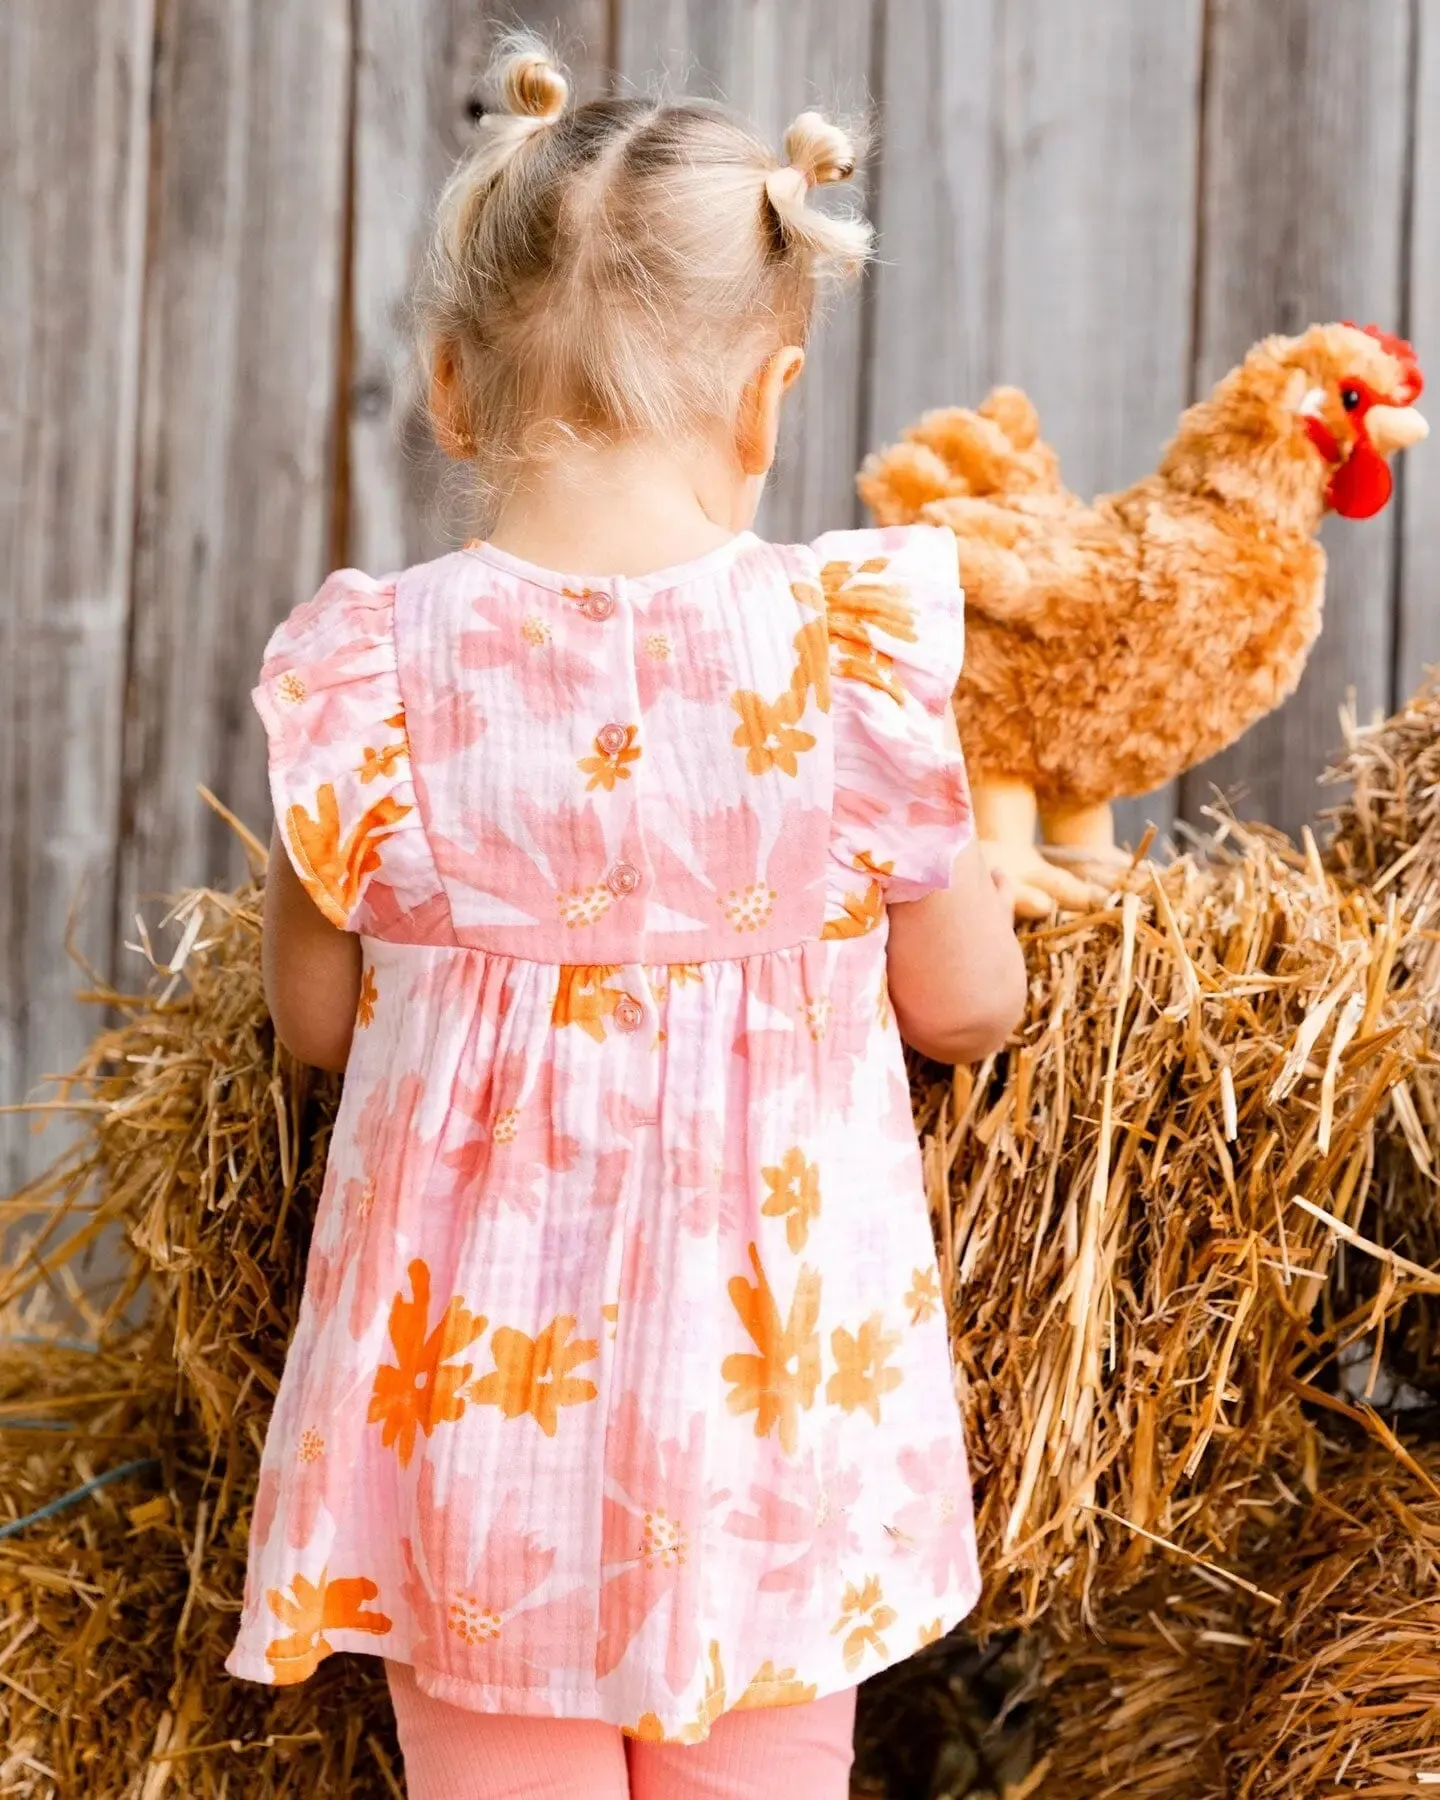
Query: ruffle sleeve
x,y
339,754
895,621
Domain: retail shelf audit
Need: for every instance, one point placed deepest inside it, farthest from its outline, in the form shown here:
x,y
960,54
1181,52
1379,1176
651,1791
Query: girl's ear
x,y
757,428
447,408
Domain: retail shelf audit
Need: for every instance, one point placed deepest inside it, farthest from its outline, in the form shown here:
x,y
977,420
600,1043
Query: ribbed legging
x,y
798,1752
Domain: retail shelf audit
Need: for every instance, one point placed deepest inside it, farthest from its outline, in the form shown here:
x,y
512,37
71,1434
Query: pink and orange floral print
x,y
621,1387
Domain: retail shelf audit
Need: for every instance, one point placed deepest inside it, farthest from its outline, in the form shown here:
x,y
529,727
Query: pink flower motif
x,y
561,882
938,1526
656,1502
808,1512
385,915
777,892
552,679
474,1611
385,1141
673,654
323,700
267,1498
321,1438
510,1132
440,722
941,797
854,808
611,1167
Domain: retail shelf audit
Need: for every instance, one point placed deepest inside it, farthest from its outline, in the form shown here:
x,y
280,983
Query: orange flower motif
x,y
374,763
337,867
930,1634
861,1376
854,608
794,1196
421,1389
315,1609
770,1686
767,732
613,757
775,1383
533,1375
812,663
369,994
582,999
924,1296
862,914
648,1728
864,1615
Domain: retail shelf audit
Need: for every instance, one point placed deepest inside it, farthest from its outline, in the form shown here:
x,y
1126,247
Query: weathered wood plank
x,y
770,62
241,347
74,94
1418,623
1302,208
416,103
1097,246
1037,207
934,289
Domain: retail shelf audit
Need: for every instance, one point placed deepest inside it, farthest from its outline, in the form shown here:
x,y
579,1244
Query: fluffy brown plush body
x,y
1110,646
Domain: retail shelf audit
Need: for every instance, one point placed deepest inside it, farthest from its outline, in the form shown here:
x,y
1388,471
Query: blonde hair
x,y
617,268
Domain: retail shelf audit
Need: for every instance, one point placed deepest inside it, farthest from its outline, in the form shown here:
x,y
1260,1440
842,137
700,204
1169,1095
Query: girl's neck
x,y
623,509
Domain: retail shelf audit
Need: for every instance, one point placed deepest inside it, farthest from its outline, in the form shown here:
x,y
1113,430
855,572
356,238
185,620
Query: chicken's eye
x,y
1349,398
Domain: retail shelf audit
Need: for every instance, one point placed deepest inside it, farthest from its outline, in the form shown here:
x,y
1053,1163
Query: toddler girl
x,y
619,1419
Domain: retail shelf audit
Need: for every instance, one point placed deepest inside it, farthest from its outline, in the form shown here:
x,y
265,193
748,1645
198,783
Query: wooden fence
x,y
209,216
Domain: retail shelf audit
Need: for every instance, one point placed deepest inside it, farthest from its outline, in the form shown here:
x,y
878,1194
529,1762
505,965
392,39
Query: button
x,y
598,607
623,879
629,1013
612,739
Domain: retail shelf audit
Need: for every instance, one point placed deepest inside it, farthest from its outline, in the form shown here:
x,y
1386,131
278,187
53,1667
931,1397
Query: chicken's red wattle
x,y
1363,484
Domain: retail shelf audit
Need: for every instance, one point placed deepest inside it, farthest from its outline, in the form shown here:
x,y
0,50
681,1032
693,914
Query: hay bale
x,y
1386,834
1141,1708
115,1608
1344,1696
205,1155
1138,1205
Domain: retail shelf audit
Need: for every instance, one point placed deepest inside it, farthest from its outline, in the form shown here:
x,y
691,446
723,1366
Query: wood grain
x,y
771,62
1037,207
74,94
1302,208
1418,621
935,299
417,103
241,345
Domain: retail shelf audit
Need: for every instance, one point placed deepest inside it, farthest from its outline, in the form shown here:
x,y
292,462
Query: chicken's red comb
x,y
1412,382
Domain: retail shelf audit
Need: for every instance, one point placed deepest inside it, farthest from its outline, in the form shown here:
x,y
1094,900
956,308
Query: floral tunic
x,y
621,1386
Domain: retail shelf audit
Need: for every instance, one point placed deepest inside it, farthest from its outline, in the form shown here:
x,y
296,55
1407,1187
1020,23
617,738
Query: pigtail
x,y
531,91
818,153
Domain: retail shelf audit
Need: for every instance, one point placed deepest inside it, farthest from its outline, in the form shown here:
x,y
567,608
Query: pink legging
x,y
800,1752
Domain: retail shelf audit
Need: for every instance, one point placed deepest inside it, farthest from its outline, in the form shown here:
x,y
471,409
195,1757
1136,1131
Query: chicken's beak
x,y
1392,428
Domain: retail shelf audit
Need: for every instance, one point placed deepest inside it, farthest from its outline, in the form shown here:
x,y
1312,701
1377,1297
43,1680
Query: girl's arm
x,y
955,968
312,970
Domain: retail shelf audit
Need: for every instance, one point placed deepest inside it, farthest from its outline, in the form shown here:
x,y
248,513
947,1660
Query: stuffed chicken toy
x,y
1113,645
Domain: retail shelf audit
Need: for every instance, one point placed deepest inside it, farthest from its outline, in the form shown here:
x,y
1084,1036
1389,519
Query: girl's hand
x,y
1005,889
